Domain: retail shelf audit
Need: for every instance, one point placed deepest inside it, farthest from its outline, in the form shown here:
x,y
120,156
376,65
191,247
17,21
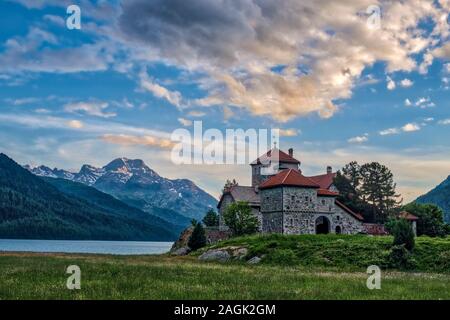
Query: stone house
x,y
285,201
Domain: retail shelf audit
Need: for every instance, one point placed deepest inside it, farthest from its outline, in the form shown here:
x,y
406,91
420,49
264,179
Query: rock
x,y
254,260
236,252
215,255
181,251
182,240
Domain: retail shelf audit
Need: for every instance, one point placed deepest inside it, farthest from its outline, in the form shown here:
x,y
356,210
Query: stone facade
x,y
302,206
292,210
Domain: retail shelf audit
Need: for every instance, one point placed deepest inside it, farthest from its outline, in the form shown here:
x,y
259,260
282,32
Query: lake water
x,y
99,247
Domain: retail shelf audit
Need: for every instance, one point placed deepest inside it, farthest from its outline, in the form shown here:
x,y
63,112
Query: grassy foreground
x,y
294,267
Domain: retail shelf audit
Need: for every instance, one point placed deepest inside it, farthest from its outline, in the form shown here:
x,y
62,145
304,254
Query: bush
x,y
431,219
197,239
403,233
211,219
239,218
401,258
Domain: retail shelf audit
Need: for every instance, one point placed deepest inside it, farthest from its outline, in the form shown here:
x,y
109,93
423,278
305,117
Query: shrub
x,y
403,233
197,239
431,219
211,219
239,218
400,258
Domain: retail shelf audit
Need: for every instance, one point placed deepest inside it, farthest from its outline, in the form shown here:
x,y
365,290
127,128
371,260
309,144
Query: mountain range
x,y
33,207
133,182
439,196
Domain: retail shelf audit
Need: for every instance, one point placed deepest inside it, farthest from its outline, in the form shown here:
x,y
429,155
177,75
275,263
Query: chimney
x,y
329,169
291,152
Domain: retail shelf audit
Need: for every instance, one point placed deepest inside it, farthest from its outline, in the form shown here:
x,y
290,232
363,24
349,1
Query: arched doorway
x,y
338,230
322,225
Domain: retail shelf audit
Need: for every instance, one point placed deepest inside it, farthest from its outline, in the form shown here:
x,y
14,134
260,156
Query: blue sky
x,y
137,70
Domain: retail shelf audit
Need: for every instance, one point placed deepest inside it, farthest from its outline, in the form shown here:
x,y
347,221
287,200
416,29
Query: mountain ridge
x,y
440,196
132,181
32,208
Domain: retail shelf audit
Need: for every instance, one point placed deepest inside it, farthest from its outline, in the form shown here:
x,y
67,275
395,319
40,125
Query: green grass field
x,y
307,276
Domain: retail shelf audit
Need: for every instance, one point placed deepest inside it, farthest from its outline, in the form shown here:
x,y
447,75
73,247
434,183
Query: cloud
x,y
239,44
408,103
389,132
447,67
444,122
424,103
150,141
185,122
36,52
90,108
196,114
406,83
410,127
289,132
76,124
359,139
173,97
390,83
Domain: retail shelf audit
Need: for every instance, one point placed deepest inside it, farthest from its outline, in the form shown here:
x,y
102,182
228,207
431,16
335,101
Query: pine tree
x,y
229,184
197,239
378,190
211,219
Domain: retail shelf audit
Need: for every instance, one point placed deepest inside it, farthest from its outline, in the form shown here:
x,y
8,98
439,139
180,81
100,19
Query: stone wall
x,y
299,199
349,224
326,204
271,200
272,222
226,200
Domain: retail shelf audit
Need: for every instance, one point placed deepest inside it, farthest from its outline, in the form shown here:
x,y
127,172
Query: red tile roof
x,y
408,216
288,177
325,192
347,209
282,157
324,180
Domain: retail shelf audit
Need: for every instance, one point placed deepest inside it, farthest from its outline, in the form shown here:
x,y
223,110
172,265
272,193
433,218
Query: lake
x,y
98,247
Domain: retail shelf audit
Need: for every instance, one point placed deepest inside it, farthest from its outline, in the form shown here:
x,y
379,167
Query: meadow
x,y
308,271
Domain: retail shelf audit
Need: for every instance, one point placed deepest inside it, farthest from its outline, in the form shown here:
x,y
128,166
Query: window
x,y
306,198
338,230
292,198
323,201
338,218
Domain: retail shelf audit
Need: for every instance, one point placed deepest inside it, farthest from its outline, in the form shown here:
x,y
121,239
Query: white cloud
x,y
76,124
390,83
447,67
237,45
185,122
390,131
424,103
359,139
90,108
410,127
444,122
406,83
408,103
289,132
173,97
196,114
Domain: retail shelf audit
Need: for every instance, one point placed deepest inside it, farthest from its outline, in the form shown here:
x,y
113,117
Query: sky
x,y
340,82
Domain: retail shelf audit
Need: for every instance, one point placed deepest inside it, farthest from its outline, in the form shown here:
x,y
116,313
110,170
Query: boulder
x,y
254,260
181,251
215,255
